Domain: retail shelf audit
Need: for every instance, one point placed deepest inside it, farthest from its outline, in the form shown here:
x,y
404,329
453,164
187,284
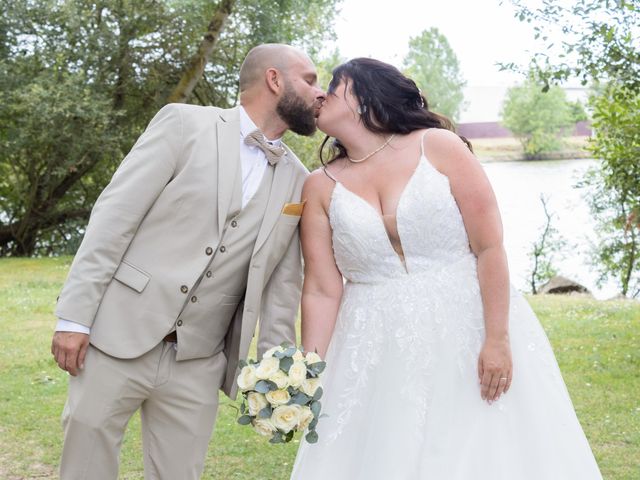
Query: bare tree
x,y
543,249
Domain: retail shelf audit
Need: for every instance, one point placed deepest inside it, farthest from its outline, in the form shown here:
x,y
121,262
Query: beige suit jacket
x,y
165,206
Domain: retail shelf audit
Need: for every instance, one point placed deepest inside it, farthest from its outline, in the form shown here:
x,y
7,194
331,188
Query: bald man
x,y
192,241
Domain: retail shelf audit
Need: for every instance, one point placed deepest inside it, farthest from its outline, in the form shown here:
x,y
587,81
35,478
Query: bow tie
x,y
273,152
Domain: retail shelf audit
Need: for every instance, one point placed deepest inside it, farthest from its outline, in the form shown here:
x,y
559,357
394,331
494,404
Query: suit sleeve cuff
x,y
69,326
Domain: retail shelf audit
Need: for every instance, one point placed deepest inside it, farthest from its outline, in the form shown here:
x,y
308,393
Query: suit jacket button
x,y
223,249
209,251
209,274
179,323
184,289
194,299
234,224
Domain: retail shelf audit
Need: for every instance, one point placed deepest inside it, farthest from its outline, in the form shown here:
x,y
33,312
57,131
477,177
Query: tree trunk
x,y
630,258
18,239
195,67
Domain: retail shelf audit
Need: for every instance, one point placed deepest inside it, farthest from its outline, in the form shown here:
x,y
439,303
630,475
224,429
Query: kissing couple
x,y
437,368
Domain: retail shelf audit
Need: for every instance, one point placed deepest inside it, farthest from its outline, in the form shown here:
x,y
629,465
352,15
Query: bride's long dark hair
x,y
389,101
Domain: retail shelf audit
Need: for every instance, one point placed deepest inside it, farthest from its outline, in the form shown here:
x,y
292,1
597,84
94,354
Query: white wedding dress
x,y
401,385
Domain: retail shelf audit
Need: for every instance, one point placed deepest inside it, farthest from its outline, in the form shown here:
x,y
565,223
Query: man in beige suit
x,y
194,239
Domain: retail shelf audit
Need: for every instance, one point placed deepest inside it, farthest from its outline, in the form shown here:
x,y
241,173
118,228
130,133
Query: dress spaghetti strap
x,y
422,142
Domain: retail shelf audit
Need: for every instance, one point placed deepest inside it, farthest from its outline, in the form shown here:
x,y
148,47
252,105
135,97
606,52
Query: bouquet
x,y
282,393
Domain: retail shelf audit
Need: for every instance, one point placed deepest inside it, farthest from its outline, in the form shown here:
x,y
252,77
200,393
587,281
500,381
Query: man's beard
x,y
292,109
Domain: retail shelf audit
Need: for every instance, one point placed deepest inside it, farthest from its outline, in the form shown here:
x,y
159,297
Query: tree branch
x,y
195,67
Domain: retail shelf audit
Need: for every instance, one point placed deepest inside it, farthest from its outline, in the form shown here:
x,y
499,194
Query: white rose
x,y
280,379
286,417
247,378
297,374
269,353
256,402
310,385
268,367
264,427
306,417
313,357
278,397
298,356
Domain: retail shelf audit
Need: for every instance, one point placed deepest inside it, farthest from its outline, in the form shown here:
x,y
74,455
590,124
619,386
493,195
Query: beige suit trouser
x,y
178,402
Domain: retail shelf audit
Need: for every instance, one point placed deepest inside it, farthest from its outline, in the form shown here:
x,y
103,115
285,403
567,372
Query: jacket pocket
x,y
231,299
289,220
132,276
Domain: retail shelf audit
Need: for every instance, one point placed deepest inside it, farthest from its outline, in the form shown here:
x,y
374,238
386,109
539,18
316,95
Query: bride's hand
x,y
495,369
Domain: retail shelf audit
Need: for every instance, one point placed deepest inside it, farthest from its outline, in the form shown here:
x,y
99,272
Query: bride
x,y
437,369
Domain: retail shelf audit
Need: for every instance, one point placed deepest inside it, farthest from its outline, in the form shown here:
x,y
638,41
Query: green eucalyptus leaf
x,y
265,412
318,394
285,364
277,438
300,398
315,408
264,386
289,352
244,420
312,437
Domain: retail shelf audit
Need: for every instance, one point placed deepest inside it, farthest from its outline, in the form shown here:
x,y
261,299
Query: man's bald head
x,y
265,56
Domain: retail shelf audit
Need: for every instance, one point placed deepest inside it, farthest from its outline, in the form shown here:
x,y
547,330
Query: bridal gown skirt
x,y
401,387
403,398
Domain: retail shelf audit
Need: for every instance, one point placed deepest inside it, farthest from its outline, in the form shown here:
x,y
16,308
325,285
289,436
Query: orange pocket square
x,y
293,209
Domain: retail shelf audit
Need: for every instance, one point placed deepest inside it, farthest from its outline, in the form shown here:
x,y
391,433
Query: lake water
x,y
518,186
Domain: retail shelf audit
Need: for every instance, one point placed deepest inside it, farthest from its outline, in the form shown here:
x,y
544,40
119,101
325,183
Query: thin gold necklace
x,y
353,160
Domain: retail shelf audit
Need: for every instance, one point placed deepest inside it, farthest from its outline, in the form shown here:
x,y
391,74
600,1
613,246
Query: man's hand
x,y
69,350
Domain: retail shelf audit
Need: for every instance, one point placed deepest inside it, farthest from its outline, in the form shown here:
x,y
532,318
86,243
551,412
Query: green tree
x,y
615,201
433,65
599,43
538,119
80,79
578,112
587,39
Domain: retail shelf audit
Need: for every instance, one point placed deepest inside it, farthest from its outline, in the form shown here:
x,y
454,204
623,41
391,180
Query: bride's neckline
x,y
381,216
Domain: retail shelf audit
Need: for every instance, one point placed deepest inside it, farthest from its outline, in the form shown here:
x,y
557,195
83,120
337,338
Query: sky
x,y
481,33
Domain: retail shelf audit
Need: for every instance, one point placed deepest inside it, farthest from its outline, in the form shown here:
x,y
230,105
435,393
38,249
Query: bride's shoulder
x,y
441,138
319,183
446,150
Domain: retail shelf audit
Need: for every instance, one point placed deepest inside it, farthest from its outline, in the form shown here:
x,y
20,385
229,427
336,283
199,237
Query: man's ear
x,y
274,80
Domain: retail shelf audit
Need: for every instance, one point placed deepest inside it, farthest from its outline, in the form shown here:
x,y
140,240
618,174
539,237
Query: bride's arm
x,y
322,287
478,206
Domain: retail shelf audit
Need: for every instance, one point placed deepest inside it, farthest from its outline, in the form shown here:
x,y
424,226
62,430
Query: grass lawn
x,y
597,345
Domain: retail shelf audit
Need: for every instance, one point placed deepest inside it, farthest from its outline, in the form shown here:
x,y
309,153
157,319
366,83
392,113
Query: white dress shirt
x,y
253,163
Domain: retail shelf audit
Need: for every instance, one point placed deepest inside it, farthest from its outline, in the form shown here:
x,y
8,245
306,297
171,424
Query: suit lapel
x,y
277,196
228,131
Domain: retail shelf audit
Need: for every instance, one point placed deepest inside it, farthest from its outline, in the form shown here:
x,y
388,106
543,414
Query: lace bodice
x,y
429,225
